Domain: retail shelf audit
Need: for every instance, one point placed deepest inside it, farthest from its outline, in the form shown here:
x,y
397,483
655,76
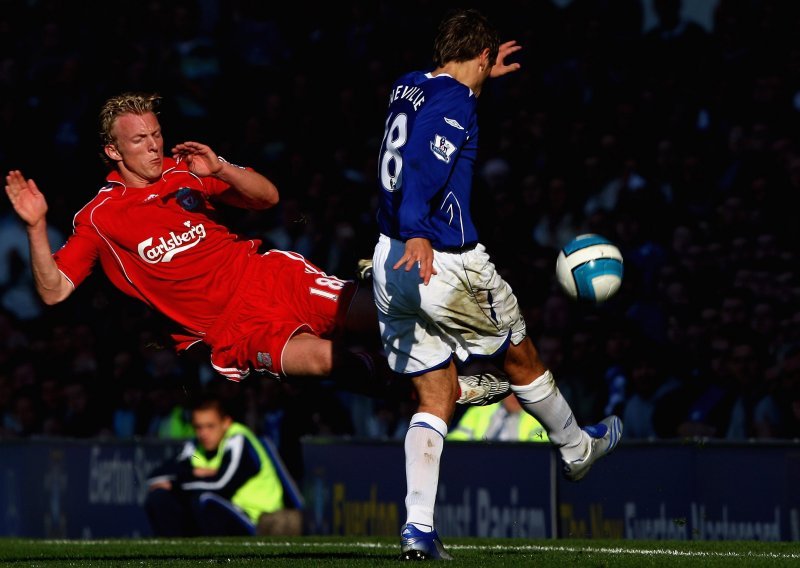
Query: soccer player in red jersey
x,y
154,230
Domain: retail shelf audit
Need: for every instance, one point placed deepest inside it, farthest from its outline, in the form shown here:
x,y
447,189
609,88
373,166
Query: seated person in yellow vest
x,y
221,483
503,422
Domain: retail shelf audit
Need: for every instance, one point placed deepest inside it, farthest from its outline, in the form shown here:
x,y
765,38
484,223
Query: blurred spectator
x,y
223,483
576,380
130,412
619,347
556,224
676,46
500,422
777,414
579,372
16,280
748,417
649,382
701,405
23,418
52,407
389,420
628,183
169,416
83,416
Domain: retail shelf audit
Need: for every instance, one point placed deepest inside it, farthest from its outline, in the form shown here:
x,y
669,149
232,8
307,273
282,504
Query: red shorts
x,y
284,295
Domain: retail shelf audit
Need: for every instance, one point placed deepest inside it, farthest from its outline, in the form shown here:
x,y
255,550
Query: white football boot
x,y
482,389
604,437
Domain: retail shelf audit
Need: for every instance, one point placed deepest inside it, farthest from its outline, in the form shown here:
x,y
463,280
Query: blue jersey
x,y
426,161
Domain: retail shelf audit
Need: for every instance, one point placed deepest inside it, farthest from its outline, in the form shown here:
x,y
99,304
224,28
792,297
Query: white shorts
x,y
466,309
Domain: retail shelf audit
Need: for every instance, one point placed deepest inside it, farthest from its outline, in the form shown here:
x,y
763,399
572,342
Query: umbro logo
x,y
453,123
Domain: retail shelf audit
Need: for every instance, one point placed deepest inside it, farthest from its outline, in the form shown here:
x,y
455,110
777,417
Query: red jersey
x,y
163,245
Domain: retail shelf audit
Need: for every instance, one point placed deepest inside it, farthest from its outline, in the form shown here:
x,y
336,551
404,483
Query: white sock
x,y
423,447
542,400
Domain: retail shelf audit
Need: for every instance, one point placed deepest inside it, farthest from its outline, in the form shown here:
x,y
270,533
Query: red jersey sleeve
x,y
210,185
79,254
213,186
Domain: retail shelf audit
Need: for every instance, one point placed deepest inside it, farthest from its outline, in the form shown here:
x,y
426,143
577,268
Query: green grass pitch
x,y
383,551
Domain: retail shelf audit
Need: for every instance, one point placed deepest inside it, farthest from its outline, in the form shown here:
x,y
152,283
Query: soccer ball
x,y
589,268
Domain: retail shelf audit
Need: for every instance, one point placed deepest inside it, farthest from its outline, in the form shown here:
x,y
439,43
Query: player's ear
x,y
112,152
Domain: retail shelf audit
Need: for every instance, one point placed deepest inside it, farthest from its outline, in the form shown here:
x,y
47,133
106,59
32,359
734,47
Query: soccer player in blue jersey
x,y
438,294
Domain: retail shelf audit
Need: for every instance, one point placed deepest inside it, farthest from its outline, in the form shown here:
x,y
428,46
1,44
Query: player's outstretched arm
x,y
253,190
29,203
500,67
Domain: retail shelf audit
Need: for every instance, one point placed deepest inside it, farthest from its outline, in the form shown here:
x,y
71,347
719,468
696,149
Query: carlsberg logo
x,y
164,248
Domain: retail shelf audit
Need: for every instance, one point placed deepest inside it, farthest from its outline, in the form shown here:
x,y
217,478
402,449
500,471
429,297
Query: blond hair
x,y
126,103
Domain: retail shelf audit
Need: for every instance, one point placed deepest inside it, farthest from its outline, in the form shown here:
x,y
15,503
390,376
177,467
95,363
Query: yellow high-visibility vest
x,y
476,421
263,493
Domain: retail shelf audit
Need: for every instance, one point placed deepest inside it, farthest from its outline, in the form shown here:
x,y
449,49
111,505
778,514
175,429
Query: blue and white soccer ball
x,y
589,268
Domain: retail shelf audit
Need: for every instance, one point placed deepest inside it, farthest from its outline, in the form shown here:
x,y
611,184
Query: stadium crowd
x,y
678,142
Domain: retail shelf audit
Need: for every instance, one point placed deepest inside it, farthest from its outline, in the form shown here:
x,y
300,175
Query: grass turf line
x,y
383,551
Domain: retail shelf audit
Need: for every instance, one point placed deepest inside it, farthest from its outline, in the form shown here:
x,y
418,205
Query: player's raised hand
x,y
201,159
418,252
25,197
500,67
